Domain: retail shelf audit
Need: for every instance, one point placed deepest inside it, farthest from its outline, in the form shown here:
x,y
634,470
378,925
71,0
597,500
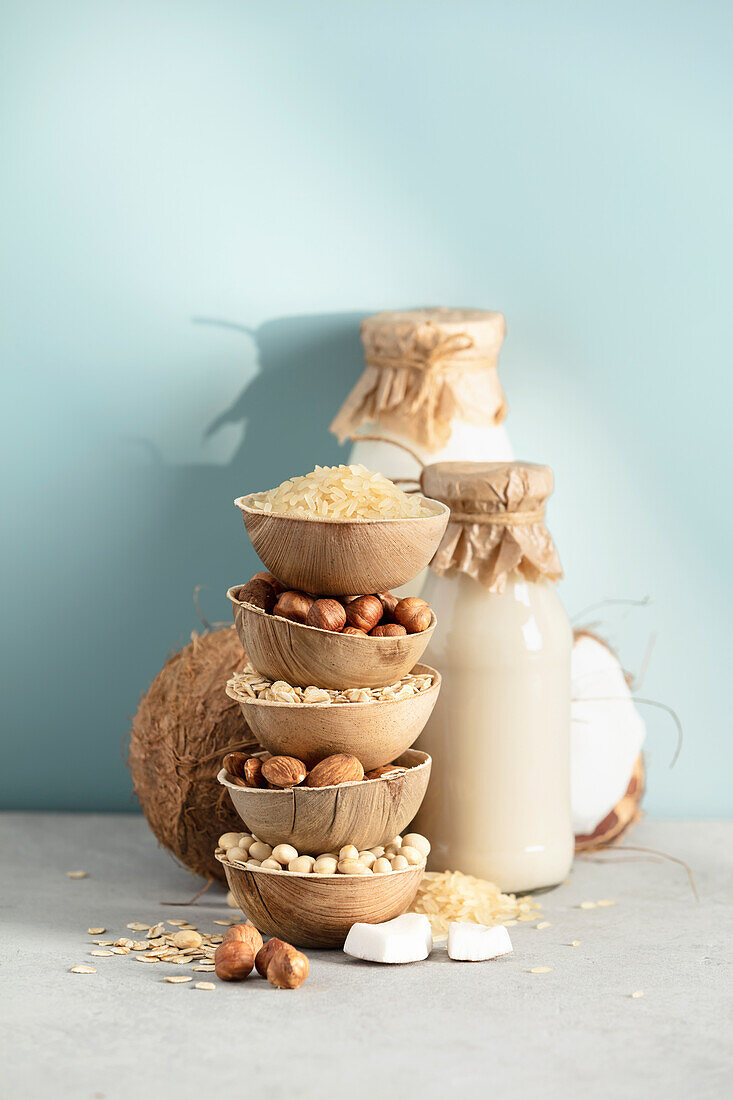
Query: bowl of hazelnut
x,y
354,641
334,803
376,725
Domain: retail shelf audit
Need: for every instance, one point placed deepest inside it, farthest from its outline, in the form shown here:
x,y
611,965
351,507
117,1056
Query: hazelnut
x,y
354,630
327,615
293,605
252,773
258,593
234,763
269,579
414,614
388,602
265,953
233,960
364,613
288,968
244,933
387,630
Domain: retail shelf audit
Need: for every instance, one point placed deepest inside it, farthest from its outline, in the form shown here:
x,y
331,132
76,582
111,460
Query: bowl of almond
x,y
353,641
334,803
376,725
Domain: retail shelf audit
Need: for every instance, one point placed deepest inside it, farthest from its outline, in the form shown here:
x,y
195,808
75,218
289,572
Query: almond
x,y
340,768
284,771
386,771
252,773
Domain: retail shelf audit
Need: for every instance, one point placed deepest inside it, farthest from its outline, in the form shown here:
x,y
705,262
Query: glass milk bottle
x,y
431,383
498,803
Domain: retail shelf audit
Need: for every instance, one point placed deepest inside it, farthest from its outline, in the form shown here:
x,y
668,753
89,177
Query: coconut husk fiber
x,y
184,726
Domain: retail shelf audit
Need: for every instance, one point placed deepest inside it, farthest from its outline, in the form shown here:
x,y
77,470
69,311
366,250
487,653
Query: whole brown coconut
x,y
184,726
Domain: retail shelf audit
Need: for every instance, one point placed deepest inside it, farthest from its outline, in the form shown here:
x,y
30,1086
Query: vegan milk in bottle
x,y
498,803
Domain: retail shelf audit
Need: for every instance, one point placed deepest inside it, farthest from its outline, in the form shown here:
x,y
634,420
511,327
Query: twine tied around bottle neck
x,y
427,357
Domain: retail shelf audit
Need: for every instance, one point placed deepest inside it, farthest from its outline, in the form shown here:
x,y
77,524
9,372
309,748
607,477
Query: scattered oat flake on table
x,y
102,954
82,970
176,923
587,905
137,926
540,970
176,978
96,931
205,969
76,874
204,985
226,923
638,993
542,924
606,901
146,959
575,943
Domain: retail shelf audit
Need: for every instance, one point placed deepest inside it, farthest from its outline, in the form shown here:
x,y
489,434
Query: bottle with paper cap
x,y
498,805
431,382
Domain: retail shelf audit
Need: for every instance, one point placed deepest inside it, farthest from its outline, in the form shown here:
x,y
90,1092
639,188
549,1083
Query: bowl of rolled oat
x,y
376,725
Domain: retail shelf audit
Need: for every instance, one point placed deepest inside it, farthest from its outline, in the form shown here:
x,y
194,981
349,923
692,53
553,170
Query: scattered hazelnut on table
x,y
293,605
233,960
244,933
414,614
388,630
364,613
287,968
327,614
265,954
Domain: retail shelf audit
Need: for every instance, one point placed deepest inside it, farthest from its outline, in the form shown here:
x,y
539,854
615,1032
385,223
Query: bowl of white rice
x,y
343,530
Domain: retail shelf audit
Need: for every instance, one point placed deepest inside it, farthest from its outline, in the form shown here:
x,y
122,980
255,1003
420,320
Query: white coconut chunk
x,y
405,939
469,942
607,733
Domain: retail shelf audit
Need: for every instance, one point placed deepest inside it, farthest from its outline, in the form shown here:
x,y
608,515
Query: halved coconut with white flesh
x,y
607,774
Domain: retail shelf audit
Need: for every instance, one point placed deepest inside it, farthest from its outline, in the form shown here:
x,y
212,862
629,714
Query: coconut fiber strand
x,y
184,726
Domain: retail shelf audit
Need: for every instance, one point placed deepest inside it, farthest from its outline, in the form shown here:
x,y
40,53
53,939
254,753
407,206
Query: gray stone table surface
x,y
431,1029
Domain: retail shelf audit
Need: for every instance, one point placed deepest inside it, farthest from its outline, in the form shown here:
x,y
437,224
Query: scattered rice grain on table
x,y
445,896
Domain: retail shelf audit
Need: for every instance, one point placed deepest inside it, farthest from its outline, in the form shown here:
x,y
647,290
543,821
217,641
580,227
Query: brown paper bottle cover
x,y
425,368
497,522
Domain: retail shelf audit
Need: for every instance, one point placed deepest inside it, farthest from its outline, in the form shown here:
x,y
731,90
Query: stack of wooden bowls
x,y
329,557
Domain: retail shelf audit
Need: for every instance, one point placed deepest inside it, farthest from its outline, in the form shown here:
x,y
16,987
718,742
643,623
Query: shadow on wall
x,y
306,366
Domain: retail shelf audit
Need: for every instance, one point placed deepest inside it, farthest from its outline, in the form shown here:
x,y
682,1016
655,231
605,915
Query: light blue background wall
x,y
281,170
